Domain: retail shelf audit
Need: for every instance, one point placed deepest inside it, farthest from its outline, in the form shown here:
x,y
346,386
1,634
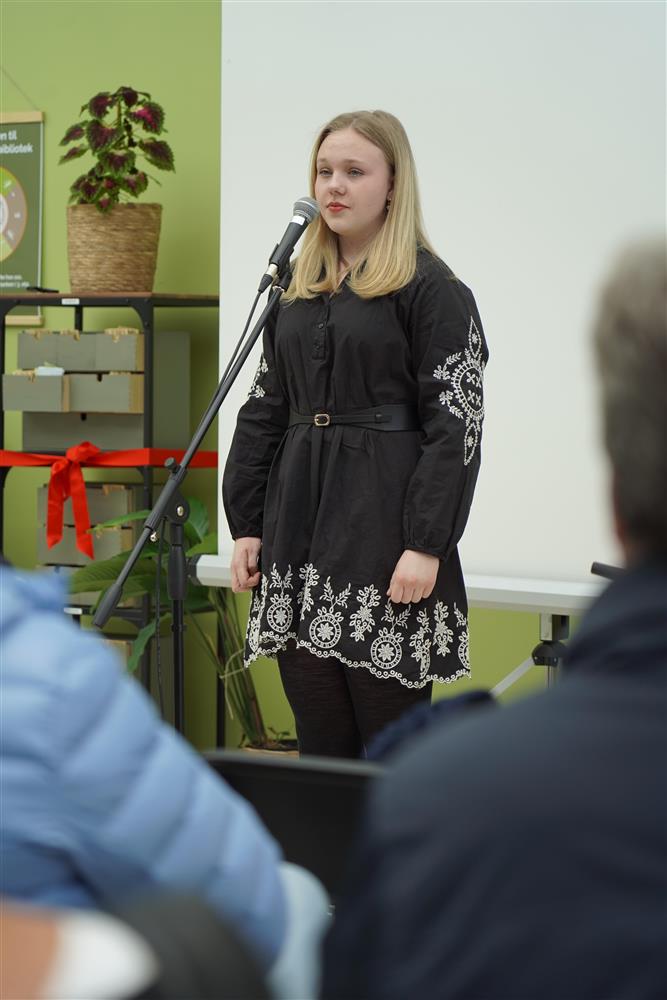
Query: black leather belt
x,y
388,417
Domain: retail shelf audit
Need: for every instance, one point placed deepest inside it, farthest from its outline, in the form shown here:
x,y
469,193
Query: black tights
x,y
338,709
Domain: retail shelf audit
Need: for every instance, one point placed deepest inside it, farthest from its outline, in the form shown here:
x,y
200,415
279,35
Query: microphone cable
x,y
242,338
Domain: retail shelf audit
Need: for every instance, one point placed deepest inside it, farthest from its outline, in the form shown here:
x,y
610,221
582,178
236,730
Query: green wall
x,y
55,56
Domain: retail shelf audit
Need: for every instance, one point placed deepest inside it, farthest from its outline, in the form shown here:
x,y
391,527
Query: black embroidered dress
x,y
336,506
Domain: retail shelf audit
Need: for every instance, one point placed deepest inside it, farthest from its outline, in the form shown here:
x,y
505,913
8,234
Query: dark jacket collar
x,y
626,628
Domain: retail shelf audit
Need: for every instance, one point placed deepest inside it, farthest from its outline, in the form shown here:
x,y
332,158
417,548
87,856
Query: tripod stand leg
x,y
551,649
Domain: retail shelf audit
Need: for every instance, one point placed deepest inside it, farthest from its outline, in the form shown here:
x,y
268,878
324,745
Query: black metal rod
x,y
177,585
608,572
167,503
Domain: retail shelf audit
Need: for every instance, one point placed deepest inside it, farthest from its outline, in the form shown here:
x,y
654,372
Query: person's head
x,y
631,350
362,160
353,183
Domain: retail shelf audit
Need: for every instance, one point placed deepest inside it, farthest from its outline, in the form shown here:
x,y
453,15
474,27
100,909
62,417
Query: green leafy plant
x,y
118,129
240,692
226,656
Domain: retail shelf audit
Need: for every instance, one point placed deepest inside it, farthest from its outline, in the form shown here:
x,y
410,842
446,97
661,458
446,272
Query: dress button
x,y
320,326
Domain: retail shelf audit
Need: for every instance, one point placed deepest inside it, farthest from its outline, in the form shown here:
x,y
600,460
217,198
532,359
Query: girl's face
x,y
352,185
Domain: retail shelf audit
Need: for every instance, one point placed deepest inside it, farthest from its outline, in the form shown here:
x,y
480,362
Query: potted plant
x,y
226,656
112,242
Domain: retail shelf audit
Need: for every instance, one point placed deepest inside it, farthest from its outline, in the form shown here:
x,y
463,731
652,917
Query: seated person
x,y
522,853
102,802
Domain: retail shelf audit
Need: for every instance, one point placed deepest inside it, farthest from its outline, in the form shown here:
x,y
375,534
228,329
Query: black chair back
x,y
311,805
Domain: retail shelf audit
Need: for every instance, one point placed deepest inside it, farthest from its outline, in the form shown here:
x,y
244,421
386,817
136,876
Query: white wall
x,y
539,135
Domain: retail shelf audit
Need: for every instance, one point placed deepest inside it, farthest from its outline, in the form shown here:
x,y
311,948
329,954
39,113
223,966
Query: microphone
x,y
305,210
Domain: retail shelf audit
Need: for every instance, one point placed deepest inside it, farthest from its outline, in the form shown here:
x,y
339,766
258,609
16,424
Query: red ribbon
x,y
67,480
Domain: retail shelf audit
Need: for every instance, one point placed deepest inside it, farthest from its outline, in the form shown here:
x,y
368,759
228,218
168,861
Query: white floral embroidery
x,y
464,655
310,578
442,634
386,650
279,614
275,607
255,619
463,373
256,389
362,621
325,629
420,642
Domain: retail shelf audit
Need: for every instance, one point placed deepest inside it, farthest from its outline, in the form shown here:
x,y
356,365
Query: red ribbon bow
x,y
67,481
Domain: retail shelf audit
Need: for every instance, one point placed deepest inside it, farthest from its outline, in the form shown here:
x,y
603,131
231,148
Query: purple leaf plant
x,y
116,128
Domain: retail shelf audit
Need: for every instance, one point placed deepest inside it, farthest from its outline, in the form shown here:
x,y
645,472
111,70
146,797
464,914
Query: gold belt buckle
x,y
321,419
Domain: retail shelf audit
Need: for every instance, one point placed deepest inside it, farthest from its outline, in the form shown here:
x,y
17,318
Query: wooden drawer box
x,y
115,350
112,392
105,501
109,542
36,393
116,431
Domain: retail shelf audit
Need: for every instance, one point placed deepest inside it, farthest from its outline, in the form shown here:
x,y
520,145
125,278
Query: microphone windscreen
x,y
307,207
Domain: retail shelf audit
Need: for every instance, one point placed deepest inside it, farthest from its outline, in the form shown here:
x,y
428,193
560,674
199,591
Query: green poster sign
x,y
21,162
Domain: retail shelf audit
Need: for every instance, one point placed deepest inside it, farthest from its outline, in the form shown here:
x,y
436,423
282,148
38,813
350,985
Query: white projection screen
x,y
539,135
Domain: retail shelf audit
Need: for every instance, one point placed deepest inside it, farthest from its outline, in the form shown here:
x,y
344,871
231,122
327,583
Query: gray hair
x,y
631,348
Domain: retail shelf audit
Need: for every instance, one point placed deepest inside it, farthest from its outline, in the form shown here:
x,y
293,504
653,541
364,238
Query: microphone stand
x,y
173,508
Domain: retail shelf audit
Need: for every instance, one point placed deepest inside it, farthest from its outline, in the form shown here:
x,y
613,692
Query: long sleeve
x,y
260,427
104,800
449,355
151,815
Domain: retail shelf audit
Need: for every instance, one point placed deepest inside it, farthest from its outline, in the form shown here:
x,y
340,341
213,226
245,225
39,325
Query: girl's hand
x,y
245,565
414,577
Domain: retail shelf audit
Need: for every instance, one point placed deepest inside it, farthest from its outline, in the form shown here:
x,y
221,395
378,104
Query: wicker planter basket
x,y
113,252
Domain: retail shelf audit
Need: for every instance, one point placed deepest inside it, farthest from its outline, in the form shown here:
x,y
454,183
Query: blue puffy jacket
x,y
100,800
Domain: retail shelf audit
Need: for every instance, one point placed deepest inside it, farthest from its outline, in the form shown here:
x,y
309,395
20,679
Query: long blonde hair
x,y
390,260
